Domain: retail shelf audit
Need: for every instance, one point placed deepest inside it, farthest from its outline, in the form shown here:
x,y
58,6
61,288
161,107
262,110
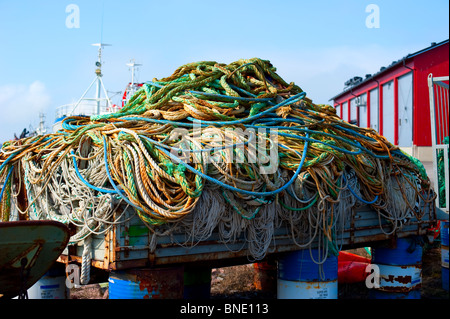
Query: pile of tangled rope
x,y
232,149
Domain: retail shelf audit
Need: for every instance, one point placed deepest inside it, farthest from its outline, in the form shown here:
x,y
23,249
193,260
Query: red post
x,y
396,117
357,114
349,113
380,107
368,107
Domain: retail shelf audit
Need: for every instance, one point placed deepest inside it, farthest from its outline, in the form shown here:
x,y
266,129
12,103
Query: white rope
x,y
85,275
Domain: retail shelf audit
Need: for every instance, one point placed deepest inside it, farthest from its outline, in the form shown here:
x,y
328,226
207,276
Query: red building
x,y
395,100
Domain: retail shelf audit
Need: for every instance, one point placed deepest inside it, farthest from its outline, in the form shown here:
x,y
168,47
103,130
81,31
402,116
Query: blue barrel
x,y
444,254
378,294
444,276
444,233
400,270
300,277
153,283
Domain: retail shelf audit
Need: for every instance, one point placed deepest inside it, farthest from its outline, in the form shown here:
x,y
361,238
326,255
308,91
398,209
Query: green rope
x,y
301,208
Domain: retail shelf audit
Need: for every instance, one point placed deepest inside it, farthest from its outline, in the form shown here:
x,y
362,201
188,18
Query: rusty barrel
x,y
147,283
400,270
265,276
304,274
444,254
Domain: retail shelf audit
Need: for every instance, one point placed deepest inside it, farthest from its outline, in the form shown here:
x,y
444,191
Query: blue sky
x,y
316,44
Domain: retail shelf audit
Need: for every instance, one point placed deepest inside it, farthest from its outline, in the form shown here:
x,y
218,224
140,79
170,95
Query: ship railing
x,y
84,109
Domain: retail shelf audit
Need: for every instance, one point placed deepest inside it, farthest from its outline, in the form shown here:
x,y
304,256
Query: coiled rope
x,y
214,147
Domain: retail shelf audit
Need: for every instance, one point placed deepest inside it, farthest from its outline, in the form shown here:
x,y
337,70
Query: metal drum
x,y
157,283
444,277
265,276
51,286
444,254
378,294
301,277
400,270
444,233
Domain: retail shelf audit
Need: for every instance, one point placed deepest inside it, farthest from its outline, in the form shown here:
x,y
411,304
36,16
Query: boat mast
x,y
99,74
41,130
133,66
98,80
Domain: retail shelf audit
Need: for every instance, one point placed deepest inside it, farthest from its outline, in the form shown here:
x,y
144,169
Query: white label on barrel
x,y
288,289
49,288
50,292
401,277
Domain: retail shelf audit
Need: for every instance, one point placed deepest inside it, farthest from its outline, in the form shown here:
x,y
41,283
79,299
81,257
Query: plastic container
x,y
51,286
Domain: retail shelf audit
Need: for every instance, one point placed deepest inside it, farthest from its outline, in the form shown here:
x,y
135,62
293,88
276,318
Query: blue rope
x,y
215,181
70,127
102,190
239,98
197,150
354,144
253,98
8,159
6,181
138,118
291,100
357,197
321,142
118,191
